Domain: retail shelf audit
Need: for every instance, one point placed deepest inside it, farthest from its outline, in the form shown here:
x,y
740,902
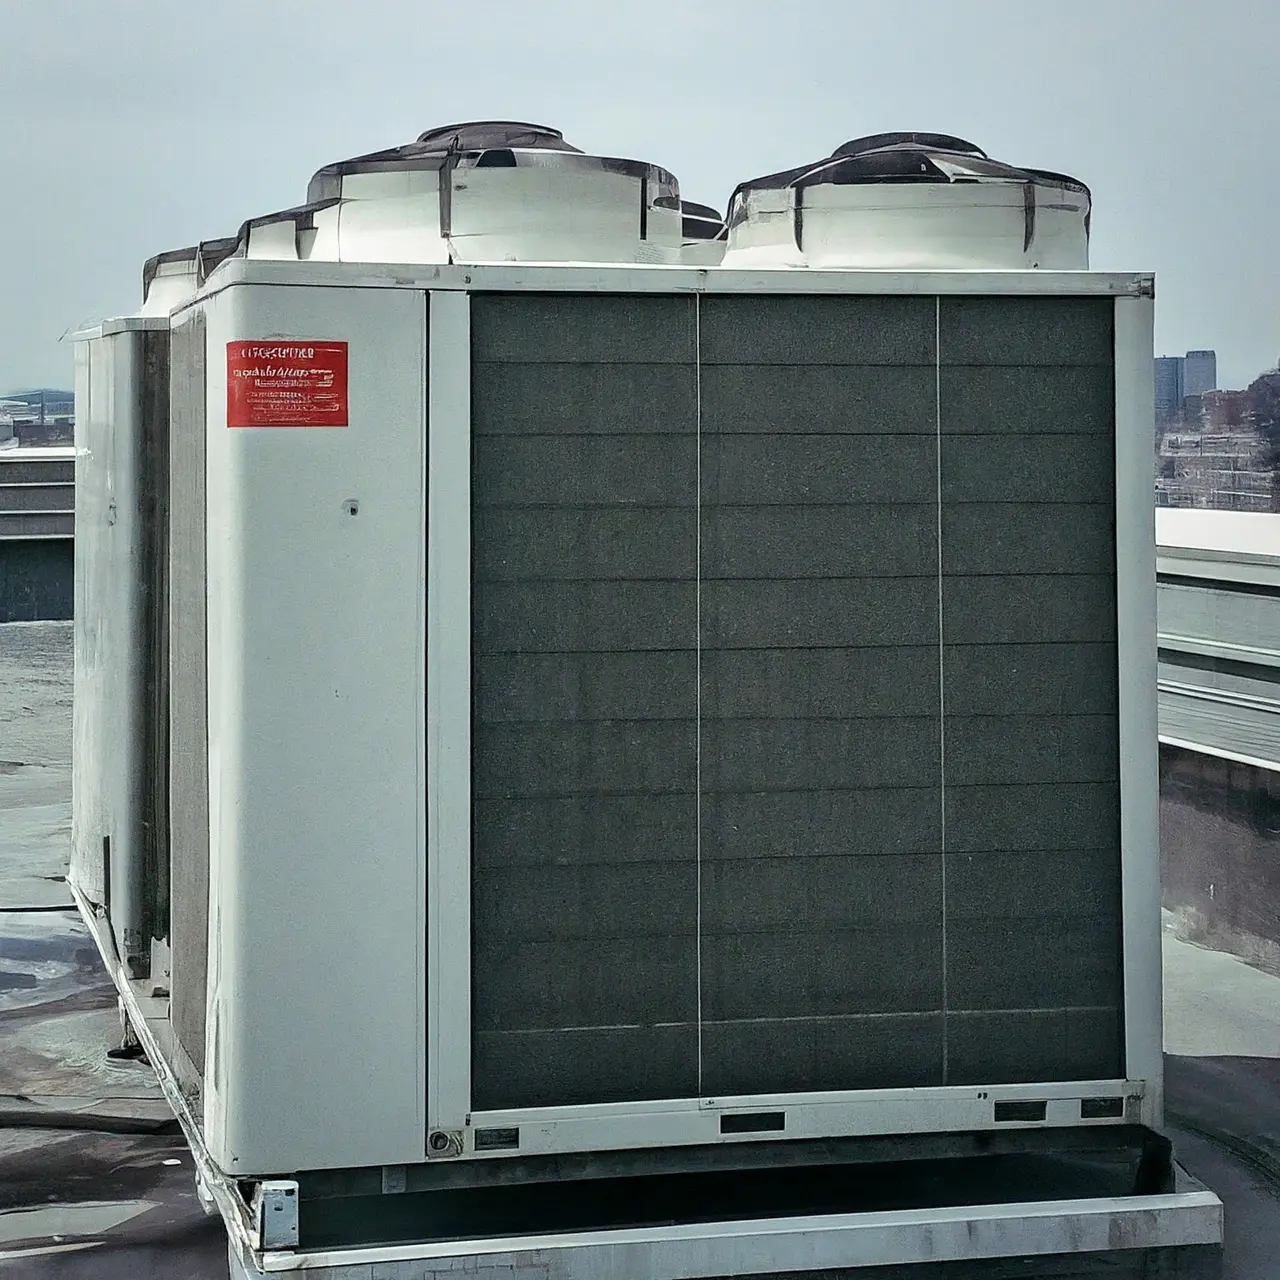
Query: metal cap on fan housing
x,y
173,276
482,135
487,144
902,160
486,191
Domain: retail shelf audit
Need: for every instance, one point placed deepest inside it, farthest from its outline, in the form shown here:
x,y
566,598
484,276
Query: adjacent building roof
x,y
1218,604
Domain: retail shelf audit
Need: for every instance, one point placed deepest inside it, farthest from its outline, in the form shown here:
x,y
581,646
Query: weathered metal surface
x,y
1021,1240
118,846
188,712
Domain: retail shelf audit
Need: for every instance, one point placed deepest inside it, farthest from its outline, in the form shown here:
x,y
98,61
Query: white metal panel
x,y
1136,645
702,253
549,213
921,226
88,786
107,692
593,278
448,796
402,229
316,1018
274,240
174,283
853,1113
390,184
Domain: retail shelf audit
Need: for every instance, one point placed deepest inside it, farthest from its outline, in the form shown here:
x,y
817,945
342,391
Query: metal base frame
x,y
1114,1229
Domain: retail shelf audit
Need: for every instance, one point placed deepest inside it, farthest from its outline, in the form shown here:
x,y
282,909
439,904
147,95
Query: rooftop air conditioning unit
x,y
692,662
603,721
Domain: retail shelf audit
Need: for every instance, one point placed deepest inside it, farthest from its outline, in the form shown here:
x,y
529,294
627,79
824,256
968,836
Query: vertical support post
x,y
1139,745
448,728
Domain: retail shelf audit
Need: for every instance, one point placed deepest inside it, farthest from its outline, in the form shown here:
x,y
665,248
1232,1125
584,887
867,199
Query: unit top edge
x,y
660,278
118,324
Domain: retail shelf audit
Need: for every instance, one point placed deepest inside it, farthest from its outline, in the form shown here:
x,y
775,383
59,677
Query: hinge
x,y
275,1214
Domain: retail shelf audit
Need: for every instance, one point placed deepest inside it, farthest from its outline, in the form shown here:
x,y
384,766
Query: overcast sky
x,y
132,126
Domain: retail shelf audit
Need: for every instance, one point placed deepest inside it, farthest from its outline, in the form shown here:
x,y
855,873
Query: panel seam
x,y
942,693
697,595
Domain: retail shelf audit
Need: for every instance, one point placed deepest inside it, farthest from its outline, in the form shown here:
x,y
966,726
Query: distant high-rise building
x,y
1169,384
1178,377
1199,373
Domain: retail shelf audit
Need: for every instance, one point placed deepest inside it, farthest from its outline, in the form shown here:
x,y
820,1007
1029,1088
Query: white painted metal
x,y
773,1246
87,869
390,230
548,206
558,212
915,225
1136,643
702,253
868,1112
108,692
589,277
316,1038
173,284
448,795
922,226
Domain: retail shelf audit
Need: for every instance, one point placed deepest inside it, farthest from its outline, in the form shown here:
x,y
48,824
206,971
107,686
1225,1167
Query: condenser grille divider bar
x,y
697,596
942,669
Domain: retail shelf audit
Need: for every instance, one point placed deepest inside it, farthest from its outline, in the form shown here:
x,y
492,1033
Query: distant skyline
x,y
144,128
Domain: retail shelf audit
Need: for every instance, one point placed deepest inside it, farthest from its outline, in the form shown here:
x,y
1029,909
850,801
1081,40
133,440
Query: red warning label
x,y
286,384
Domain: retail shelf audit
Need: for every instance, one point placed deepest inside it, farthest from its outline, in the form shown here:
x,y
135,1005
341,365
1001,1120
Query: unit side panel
x,y
89,809
315,595
188,688
584,699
